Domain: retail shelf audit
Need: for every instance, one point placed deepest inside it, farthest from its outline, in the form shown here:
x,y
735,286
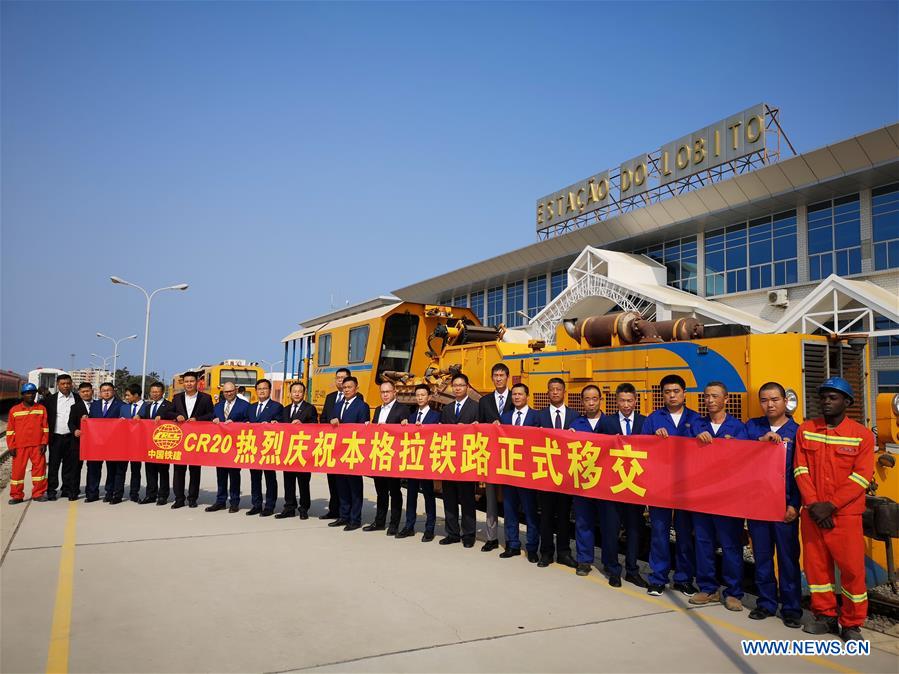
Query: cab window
x,y
358,344
323,349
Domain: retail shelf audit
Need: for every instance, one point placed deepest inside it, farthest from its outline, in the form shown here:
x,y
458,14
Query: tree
x,y
124,379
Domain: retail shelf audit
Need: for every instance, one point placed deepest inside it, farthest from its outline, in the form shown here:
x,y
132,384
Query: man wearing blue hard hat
x,y
833,464
27,435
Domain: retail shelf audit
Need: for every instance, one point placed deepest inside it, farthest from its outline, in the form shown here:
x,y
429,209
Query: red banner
x,y
727,477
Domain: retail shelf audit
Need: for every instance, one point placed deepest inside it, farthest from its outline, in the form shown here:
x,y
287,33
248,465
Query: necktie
x,y
259,409
558,423
133,409
518,419
420,413
500,405
627,425
458,407
228,409
153,410
343,411
295,408
105,407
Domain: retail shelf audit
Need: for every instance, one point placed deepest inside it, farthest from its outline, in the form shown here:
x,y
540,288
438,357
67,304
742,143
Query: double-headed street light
x,y
104,359
115,352
149,296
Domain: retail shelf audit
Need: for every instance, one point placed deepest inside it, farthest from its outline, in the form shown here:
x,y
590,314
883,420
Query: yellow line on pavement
x,y
705,617
58,652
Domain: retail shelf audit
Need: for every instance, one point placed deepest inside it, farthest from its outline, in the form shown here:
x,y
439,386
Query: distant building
x,y
92,376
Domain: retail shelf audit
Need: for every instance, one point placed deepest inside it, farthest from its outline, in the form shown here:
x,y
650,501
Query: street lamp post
x,y
149,296
271,367
105,360
115,352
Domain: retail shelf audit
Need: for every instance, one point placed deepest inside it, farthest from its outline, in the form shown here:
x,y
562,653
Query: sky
x,y
281,157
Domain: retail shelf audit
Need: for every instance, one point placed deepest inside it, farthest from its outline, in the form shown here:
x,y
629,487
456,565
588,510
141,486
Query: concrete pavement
x,y
156,590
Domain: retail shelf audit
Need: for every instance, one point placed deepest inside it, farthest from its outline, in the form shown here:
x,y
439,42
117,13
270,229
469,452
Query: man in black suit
x,y
463,410
157,473
298,412
555,507
81,408
189,405
627,421
388,488
334,401
60,449
490,409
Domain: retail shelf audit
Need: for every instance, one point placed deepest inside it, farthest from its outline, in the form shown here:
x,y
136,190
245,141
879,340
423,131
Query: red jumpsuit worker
x,y
834,461
27,435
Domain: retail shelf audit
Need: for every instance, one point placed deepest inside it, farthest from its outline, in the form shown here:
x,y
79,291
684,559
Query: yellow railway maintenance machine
x,y
239,372
410,343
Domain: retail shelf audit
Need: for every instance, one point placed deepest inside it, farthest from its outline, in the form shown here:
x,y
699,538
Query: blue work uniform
x,y
516,499
660,518
719,529
780,536
587,511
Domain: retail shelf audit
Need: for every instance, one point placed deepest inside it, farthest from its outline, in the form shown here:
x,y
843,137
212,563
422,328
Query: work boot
x,y
583,569
822,624
703,598
733,604
851,634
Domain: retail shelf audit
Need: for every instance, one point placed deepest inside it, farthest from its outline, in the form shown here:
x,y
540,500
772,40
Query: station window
x,y
772,251
323,349
888,345
514,304
888,381
679,257
834,238
885,215
358,344
558,281
477,304
725,260
495,306
460,301
536,294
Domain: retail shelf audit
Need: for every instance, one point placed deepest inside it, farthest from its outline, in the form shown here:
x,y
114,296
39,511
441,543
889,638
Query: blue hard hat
x,y
837,384
27,388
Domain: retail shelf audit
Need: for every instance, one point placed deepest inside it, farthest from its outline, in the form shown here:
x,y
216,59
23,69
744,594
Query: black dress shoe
x,y
215,507
161,501
352,527
533,557
267,512
406,532
449,540
391,531
490,546
115,500
178,504
338,523
51,498
284,514
427,537
91,499
374,526
636,579
107,498
73,498
255,510
566,560
615,581
544,561
792,622
136,499
329,516
233,509
147,499
304,514
759,613
468,542
191,504
509,552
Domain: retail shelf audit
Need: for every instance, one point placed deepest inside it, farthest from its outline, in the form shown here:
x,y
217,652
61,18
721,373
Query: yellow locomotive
x,y
410,343
211,377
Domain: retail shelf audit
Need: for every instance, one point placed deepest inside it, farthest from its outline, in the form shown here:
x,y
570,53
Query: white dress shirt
x,y
505,396
189,402
623,425
385,410
63,409
552,414
260,407
519,421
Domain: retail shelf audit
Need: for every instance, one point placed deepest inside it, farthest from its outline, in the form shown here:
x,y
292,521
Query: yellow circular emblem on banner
x,y
167,436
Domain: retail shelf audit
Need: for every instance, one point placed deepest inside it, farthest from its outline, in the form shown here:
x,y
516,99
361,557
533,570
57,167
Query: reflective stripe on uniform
x,y
8,433
859,480
45,430
855,598
38,478
27,412
831,439
17,481
822,588
800,470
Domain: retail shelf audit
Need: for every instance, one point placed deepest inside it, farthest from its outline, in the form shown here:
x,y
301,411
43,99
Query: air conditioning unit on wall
x,y
778,298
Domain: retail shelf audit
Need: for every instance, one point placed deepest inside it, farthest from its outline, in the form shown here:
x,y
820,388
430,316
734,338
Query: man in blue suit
x,y
555,507
157,408
353,410
675,419
423,414
107,407
229,409
627,421
783,536
712,530
266,411
587,509
520,498
131,408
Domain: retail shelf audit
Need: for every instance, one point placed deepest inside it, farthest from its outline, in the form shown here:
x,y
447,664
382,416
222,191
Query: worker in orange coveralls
x,y
27,435
833,465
